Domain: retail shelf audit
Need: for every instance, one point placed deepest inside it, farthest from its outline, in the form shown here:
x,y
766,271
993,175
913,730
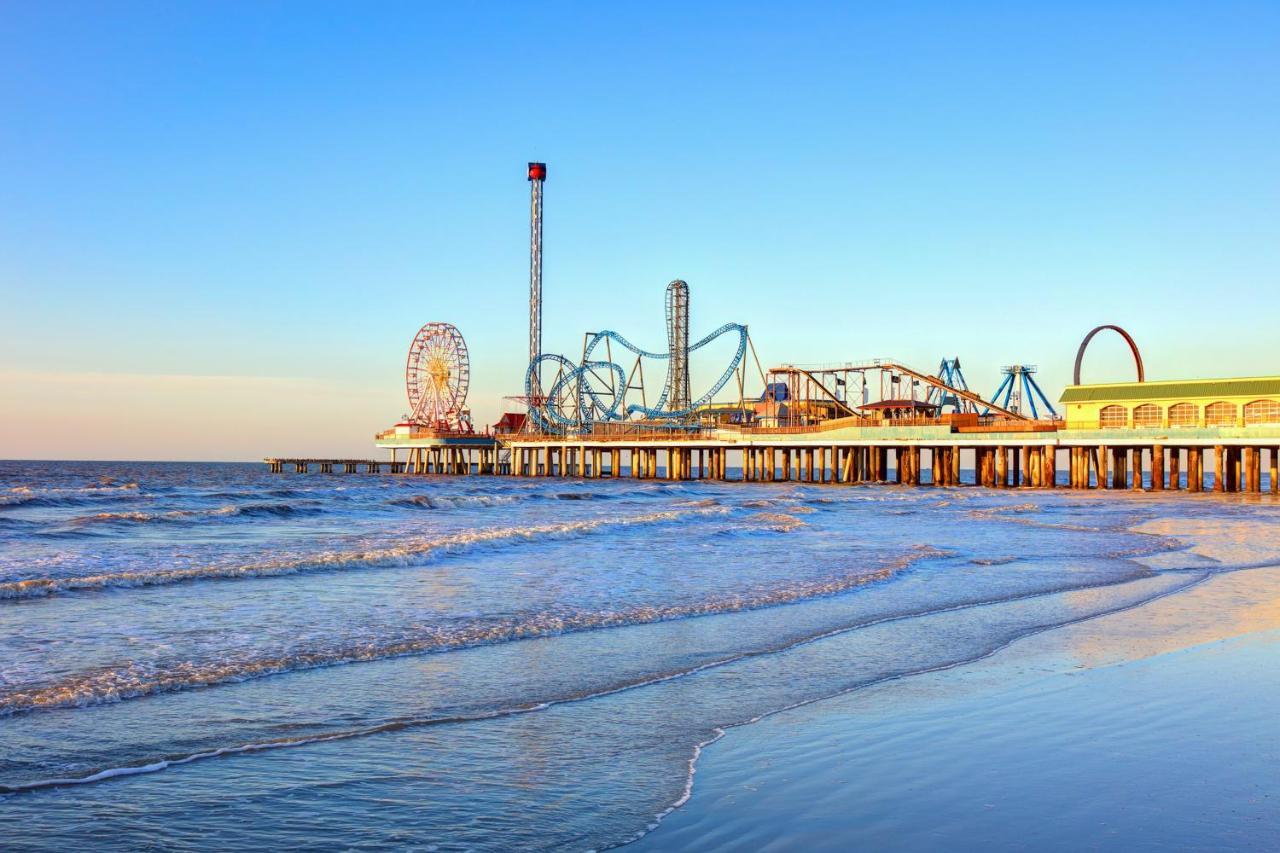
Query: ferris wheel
x,y
437,376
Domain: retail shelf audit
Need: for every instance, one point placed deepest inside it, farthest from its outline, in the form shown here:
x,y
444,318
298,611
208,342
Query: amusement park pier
x,y
859,422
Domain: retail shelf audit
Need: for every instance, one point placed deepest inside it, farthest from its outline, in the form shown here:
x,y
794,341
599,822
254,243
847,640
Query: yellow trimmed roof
x,y
1193,389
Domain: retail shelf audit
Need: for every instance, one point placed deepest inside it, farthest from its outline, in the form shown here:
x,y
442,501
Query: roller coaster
x,y
836,384
596,390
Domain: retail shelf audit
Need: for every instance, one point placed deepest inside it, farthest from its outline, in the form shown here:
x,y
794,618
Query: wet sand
x,y
1151,729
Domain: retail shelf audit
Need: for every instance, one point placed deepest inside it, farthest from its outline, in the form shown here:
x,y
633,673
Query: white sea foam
x,y
117,684
717,732
412,550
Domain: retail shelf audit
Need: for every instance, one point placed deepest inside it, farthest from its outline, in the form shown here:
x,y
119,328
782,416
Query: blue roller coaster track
x,y
591,404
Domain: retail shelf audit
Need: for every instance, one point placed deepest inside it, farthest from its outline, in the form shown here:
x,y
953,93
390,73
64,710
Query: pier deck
x,y
1028,455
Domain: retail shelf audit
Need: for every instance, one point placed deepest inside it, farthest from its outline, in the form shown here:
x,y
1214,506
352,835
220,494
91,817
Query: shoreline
x,y
788,777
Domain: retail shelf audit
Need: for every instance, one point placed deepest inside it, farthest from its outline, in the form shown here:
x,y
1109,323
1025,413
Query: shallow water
x,y
191,652
1151,729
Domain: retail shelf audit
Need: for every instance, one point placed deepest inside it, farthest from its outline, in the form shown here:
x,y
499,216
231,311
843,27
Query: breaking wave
x,y
453,501
779,521
55,497
118,684
412,550
1007,509
262,510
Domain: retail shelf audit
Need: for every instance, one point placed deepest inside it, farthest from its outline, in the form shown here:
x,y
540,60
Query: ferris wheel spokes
x,y
437,377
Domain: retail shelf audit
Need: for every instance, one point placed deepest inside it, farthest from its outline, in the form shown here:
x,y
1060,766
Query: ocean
x,y
209,655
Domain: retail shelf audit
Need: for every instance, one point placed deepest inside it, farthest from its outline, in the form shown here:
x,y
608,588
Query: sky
x,y
222,223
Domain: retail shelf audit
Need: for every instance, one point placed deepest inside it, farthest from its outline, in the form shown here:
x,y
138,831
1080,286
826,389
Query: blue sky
x,y
221,224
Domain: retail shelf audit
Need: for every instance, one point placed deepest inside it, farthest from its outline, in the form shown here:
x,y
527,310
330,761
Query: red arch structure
x,y
1137,356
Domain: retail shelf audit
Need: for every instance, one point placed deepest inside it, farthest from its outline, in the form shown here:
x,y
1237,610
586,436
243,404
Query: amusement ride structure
x,y
1020,389
600,390
874,421
953,378
845,390
437,376
603,391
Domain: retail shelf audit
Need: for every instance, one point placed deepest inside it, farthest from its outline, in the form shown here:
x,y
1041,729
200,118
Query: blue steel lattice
x,y
591,405
1018,386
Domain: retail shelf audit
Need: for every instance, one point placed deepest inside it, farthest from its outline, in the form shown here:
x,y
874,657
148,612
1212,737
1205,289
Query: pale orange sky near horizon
x,y
194,418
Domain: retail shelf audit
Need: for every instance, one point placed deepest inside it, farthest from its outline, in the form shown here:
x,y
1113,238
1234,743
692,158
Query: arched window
x,y
1220,414
1113,417
1184,415
1262,412
1146,415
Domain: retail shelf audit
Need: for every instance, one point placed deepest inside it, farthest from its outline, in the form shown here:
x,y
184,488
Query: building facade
x,y
1174,405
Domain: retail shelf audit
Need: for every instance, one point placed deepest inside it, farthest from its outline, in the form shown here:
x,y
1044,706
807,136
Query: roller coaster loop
x,y
590,404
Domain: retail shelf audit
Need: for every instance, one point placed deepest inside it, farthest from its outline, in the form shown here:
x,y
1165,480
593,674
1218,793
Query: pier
x,y
590,415
277,465
1041,459
924,456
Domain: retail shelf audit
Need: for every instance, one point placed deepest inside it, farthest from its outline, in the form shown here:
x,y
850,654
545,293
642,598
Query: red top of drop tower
x,y
537,171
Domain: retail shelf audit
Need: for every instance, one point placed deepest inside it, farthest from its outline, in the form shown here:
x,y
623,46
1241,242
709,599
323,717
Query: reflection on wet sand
x,y
1227,604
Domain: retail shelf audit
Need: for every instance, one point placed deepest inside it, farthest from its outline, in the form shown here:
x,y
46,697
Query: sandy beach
x,y
1152,728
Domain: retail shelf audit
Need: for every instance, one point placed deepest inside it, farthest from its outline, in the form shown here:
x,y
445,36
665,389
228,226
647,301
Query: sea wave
x,y
118,684
454,501
107,485
259,510
66,496
1005,509
779,521
411,550
158,764
716,733
1027,514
